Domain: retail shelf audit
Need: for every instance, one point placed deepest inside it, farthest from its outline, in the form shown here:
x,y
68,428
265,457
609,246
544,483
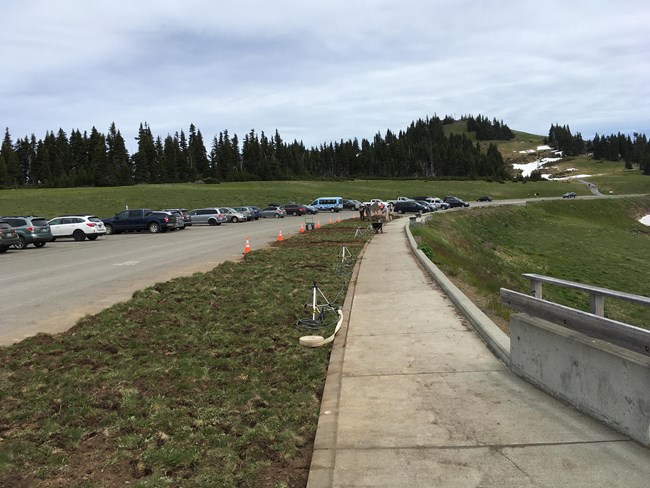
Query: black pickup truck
x,y
139,219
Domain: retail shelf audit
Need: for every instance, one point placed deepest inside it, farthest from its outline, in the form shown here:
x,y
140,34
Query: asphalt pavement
x,y
414,398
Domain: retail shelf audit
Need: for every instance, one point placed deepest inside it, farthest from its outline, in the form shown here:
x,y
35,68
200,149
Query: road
x,y
49,289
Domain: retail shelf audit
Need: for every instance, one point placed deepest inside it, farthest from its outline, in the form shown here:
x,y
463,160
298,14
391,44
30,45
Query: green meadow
x,y
595,242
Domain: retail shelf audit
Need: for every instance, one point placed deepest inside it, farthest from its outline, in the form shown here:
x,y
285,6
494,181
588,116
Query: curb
x,y
321,469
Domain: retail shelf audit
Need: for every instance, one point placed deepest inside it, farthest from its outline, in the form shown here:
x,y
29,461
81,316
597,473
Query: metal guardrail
x,y
596,294
593,324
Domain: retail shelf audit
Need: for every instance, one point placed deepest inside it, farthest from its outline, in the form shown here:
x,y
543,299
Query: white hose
x,y
317,341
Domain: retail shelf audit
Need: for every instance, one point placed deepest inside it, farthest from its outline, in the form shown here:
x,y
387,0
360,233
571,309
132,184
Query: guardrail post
x,y
597,304
536,288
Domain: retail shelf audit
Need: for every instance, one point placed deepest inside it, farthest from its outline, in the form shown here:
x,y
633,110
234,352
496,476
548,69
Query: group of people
x,y
376,211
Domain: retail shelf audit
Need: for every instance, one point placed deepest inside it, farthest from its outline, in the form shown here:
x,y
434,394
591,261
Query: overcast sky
x,y
322,71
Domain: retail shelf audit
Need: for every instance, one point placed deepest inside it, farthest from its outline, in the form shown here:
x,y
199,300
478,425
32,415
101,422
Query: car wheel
x,y
234,220
332,210
277,216
295,214
109,229
154,227
22,243
39,244
3,249
78,235
92,237
212,222
400,211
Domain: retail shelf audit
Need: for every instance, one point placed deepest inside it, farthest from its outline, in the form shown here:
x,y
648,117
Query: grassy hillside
x,y
50,202
593,242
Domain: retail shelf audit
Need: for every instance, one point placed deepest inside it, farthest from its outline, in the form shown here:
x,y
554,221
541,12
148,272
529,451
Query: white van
x,y
328,204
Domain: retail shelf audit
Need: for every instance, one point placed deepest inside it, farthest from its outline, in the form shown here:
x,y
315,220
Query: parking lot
x,y
47,289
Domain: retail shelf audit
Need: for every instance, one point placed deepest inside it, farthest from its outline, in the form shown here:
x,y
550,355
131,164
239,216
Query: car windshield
x,y
39,222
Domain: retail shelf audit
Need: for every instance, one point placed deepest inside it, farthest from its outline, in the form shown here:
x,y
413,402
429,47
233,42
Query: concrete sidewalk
x,y
414,398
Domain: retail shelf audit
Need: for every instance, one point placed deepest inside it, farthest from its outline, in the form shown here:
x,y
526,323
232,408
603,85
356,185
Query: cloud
x,y
325,71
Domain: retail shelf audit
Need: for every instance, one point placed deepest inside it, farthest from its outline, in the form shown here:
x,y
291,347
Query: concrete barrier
x,y
603,380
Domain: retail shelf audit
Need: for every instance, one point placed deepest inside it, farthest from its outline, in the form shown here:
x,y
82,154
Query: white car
x,y
79,227
440,205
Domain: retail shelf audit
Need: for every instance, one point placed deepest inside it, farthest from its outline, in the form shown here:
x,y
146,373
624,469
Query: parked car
x,y
79,227
176,221
275,212
139,219
209,216
570,194
439,203
431,206
185,215
294,209
8,236
484,198
328,204
246,211
351,204
454,202
255,211
376,201
30,230
410,206
311,210
232,215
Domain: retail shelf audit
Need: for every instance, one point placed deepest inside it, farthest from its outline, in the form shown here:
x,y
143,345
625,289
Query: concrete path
x,y
415,399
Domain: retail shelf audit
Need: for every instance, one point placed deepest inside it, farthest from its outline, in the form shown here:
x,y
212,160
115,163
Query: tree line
x,y
615,147
96,159
422,150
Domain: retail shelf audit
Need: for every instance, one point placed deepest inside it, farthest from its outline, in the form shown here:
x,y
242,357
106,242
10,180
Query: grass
x,y
199,381
104,202
598,242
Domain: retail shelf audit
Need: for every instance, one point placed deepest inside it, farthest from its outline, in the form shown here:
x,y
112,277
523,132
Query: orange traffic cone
x,y
338,219
280,236
318,224
247,247
302,229
330,220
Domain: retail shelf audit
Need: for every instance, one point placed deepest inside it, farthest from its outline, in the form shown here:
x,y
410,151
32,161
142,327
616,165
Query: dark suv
x,y
410,206
295,209
455,202
30,230
8,236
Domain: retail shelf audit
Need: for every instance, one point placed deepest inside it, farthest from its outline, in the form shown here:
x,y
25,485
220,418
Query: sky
x,y
320,72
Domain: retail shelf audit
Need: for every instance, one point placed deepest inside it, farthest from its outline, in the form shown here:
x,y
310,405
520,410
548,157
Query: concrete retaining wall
x,y
605,381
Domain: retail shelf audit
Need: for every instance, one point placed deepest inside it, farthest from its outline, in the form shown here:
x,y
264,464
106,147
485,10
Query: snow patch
x,y
645,220
573,177
544,148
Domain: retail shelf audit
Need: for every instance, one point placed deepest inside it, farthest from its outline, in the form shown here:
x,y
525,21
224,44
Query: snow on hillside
x,y
528,168
645,220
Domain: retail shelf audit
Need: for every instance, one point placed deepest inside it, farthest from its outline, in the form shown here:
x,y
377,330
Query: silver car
x,y
232,215
246,211
208,216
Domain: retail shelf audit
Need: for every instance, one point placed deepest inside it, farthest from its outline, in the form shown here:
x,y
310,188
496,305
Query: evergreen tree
x,y
144,160
12,173
197,154
101,172
118,157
